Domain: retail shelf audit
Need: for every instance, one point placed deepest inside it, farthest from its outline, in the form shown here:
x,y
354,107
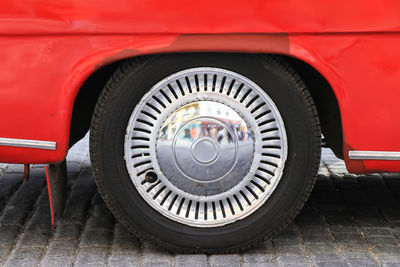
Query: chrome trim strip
x,y
28,143
374,155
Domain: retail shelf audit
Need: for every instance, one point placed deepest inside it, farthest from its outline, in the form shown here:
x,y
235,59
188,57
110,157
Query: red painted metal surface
x,y
48,49
27,171
46,170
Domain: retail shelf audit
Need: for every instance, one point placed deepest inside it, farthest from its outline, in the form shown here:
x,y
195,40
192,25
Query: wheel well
x,y
321,92
325,102
85,102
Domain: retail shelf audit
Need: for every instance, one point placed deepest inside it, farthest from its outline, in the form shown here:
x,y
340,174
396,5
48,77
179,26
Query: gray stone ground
x,y
348,221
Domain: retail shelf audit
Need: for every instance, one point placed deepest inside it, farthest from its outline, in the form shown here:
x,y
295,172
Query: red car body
x,y
49,48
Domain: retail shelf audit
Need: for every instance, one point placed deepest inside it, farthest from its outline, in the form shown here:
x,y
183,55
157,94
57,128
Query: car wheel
x,y
205,152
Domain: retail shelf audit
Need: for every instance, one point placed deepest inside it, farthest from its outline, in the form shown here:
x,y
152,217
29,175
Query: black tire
x,y
113,110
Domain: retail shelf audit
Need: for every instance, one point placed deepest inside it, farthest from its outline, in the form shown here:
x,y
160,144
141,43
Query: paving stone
x,y
338,219
120,230
8,233
125,244
67,231
377,231
326,260
317,239
95,238
340,229
4,253
24,257
289,250
128,260
323,170
262,254
255,264
154,256
91,256
389,258
287,237
349,237
390,264
7,188
101,210
225,260
258,258
13,216
356,253
387,249
387,240
315,231
329,264
292,261
59,260
372,222
100,223
321,248
33,239
365,261
73,167
15,168
66,247
392,259
195,260
3,166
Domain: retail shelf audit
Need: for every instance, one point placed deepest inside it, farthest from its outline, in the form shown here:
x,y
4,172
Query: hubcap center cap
x,y
204,150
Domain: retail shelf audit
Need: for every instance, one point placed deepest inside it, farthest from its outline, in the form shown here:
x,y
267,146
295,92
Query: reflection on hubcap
x,y
208,141
216,142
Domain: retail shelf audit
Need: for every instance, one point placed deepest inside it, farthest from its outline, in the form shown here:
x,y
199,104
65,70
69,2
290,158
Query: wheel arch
x,y
320,89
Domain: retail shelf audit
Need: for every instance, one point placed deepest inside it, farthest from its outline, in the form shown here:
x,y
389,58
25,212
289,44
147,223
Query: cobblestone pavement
x,y
349,220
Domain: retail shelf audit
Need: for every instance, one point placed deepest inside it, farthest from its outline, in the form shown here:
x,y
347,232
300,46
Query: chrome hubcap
x,y
213,143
